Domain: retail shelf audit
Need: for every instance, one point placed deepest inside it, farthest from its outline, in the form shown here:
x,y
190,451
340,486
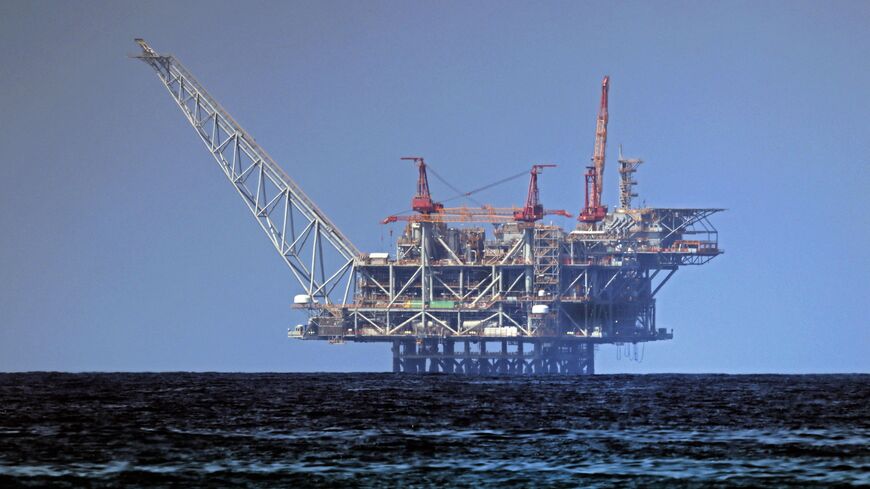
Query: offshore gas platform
x,y
532,298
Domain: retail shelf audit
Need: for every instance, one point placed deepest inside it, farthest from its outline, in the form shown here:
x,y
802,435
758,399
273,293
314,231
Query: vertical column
x,y
397,361
528,258
590,359
431,350
567,355
449,359
503,359
575,359
483,361
410,350
424,258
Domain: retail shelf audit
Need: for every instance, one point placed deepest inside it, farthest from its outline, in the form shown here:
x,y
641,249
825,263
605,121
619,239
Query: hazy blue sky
x,y
124,248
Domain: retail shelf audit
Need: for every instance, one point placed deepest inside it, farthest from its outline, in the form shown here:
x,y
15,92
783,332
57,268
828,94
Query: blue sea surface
x,y
388,430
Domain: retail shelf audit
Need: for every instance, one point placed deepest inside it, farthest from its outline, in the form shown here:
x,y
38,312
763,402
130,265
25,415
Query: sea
x,y
400,430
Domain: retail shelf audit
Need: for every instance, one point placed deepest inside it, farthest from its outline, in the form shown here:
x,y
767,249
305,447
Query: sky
x,y
123,247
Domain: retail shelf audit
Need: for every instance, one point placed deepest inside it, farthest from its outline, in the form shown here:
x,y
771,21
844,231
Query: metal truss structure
x,y
307,241
529,299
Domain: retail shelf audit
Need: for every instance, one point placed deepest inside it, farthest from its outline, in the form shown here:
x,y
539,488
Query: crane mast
x,y
593,211
318,254
534,210
422,201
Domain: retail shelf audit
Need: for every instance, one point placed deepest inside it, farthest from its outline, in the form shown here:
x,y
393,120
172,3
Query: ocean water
x,y
387,430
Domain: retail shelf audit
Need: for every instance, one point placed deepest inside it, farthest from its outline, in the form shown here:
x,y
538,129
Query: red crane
x,y
429,211
422,201
534,210
593,210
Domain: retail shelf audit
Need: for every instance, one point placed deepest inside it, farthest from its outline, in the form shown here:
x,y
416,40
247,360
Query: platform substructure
x,y
493,356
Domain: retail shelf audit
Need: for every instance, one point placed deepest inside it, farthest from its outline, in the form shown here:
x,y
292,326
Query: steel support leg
x,y
397,359
448,360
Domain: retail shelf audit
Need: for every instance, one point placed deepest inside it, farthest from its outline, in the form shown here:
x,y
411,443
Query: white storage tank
x,y
302,299
471,323
540,309
501,331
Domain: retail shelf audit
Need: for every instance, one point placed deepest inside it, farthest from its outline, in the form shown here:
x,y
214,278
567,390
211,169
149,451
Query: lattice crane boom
x,y
292,221
601,136
593,210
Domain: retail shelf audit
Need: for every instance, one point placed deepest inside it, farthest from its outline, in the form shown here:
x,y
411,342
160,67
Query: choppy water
x,y
290,430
